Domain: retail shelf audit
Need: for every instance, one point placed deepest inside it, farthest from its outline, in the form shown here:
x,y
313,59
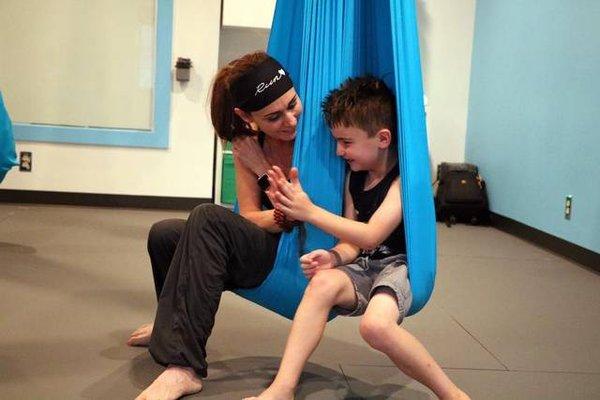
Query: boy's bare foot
x,y
172,384
460,395
273,393
141,336
463,396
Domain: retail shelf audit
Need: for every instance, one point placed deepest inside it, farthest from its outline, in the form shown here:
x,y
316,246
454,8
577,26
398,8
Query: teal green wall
x,y
534,113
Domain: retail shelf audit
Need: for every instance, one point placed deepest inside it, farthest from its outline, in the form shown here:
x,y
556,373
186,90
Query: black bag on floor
x,y
461,195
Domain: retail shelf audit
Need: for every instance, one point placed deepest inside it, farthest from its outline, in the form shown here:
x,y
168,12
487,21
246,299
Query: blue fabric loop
x,y
321,43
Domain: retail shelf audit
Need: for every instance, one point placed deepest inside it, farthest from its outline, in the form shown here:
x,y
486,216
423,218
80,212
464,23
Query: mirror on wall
x,y
79,64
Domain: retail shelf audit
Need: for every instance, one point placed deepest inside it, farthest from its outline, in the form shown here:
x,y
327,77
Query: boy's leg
x,y
326,289
380,329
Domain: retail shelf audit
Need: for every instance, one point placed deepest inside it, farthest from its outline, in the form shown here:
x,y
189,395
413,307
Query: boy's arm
x,y
320,259
248,194
295,203
364,235
346,252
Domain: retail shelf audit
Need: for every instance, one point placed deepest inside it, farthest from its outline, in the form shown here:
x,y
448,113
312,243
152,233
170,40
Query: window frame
x,y
156,137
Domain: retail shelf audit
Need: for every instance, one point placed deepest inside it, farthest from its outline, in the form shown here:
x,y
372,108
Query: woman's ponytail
x,y
226,123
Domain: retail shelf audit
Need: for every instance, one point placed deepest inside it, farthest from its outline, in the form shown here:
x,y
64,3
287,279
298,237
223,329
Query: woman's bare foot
x,y
141,336
172,384
274,393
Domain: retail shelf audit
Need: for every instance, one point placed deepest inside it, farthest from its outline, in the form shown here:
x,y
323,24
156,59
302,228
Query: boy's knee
x,y
376,331
324,286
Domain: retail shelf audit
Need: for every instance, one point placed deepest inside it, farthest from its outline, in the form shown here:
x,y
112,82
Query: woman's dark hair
x,y
226,123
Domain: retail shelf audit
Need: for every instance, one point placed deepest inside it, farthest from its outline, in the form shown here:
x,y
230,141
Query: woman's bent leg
x,y
218,250
162,242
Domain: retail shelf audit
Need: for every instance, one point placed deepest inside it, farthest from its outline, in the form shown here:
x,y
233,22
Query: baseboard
x,y
555,244
100,200
566,249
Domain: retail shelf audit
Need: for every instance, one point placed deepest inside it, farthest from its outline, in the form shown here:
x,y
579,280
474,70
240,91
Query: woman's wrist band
x,y
336,256
263,182
282,221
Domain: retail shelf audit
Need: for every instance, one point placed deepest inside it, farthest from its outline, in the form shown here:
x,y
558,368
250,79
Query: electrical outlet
x,y
568,206
25,161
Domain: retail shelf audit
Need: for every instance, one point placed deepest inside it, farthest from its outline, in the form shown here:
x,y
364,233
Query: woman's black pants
x,y
193,262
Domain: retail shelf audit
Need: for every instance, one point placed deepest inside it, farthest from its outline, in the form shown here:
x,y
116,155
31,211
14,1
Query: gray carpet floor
x,y
507,320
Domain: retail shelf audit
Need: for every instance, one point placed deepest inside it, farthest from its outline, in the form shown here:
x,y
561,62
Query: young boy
x,y
366,272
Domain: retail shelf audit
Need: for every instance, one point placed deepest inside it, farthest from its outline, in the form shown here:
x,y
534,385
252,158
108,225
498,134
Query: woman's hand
x,y
289,196
247,150
315,261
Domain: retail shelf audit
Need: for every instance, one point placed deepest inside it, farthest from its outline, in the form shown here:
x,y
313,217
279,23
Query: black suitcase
x,y
461,195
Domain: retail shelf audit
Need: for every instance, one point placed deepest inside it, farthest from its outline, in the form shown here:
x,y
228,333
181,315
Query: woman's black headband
x,y
261,86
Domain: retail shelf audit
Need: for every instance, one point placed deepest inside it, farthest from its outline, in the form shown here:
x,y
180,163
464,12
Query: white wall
x,y
248,13
446,39
183,170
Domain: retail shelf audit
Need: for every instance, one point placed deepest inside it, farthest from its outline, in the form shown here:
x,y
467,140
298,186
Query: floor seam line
x,y
440,256
480,343
6,218
345,378
537,371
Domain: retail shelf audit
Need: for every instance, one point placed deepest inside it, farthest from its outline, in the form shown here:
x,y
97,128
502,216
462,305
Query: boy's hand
x,y
284,222
315,261
270,192
289,196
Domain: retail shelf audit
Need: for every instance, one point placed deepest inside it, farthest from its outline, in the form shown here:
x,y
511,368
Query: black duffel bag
x,y
461,195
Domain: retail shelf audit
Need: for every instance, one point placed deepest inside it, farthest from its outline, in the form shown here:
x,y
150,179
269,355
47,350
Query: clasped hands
x,y
289,198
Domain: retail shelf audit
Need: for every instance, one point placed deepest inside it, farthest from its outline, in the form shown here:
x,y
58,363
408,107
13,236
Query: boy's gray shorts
x,y
368,275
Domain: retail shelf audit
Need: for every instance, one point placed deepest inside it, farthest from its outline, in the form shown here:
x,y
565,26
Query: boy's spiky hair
x,y
364,102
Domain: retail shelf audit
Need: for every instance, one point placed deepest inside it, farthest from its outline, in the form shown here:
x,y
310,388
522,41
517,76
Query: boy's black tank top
x,y
366,202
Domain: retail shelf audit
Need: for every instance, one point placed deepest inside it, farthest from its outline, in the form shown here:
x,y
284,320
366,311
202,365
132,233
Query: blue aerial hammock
x,y
321,43
8,156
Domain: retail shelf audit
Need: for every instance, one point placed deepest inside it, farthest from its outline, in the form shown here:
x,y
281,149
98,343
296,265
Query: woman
x,y
255,105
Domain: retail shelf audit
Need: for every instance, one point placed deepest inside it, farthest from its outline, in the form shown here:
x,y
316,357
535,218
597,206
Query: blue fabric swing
x,y
8,156
322,43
